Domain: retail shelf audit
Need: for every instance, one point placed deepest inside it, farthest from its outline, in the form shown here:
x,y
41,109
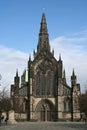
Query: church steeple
x,y
43,41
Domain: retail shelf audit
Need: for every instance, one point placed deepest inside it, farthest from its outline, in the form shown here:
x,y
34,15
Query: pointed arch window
x,y
44,80
64,106
42,84
50,83
38,83
67,105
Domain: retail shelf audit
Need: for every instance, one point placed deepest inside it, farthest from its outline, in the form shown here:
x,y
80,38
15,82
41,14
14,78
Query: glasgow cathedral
x,y
43,93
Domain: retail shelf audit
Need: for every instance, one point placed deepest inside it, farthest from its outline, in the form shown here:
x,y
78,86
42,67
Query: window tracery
x,y
44,79
67,105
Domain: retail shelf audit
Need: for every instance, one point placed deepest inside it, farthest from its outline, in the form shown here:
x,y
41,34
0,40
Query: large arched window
x,y
67,105
44,79
50,83
37,79
44,83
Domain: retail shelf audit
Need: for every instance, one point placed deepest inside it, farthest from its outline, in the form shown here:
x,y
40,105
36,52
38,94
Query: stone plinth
x,y
11,119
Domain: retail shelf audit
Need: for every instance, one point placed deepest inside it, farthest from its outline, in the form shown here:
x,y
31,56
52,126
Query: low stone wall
x,y
20,116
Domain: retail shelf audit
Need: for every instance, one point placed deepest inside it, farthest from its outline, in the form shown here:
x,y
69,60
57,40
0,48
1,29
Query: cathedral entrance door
x,y
45,111
49,116
42,115
45,115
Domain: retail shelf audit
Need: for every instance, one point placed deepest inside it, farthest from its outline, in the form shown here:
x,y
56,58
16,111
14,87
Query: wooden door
x,y
48,115
42,115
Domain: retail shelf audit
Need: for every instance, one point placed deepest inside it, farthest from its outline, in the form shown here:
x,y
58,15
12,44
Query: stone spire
x,y
73,73
60,67
64,76
43,41
16,79
17,73
59,57
73,79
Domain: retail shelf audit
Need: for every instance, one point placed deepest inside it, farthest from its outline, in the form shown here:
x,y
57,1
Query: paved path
x,y
46,126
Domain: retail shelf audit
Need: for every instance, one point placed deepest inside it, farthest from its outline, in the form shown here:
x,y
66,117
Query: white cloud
x,y
73,50
10,60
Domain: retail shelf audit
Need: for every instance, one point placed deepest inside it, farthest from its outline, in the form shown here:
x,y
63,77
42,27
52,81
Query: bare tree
x,y
5,102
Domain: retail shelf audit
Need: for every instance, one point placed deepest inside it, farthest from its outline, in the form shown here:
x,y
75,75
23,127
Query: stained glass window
x,y
44,79
44,83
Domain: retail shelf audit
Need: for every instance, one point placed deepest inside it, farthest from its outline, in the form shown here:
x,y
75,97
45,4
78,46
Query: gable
x,y
44,62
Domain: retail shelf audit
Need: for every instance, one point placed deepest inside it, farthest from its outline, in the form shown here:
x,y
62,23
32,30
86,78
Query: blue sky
x,y
19,28
20,20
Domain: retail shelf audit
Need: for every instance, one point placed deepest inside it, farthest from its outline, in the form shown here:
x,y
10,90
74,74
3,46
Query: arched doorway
x,y
45,110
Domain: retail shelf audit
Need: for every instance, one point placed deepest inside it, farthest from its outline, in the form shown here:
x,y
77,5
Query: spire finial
x,y
17,72
59,56
73,73
73,78
64,74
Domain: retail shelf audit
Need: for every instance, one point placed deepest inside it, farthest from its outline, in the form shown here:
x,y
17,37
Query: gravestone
x,y
11,119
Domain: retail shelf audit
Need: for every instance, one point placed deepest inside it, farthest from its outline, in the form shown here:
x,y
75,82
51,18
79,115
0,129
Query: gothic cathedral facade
x,y
44,94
